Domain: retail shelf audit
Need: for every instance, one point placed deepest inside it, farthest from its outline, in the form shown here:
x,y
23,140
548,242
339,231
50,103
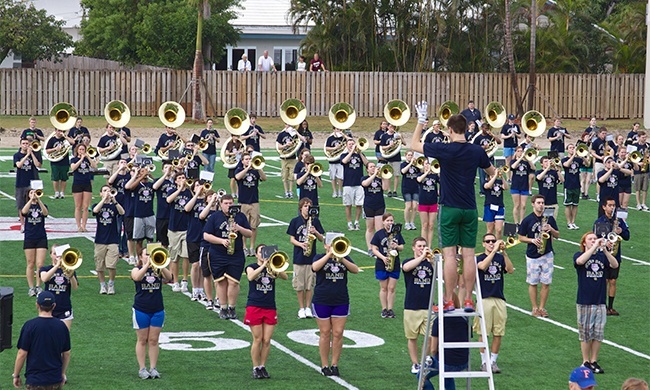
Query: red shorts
x,y
259,315
428,208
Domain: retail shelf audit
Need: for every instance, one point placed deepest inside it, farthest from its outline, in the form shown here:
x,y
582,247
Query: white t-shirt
x,y
265,64
243,66
302,66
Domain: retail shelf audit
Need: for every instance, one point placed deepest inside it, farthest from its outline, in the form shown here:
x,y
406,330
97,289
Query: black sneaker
x,y
257,373
223,314
326,371
265,374
588,365
231,313
384,313
596,368
335,370
390,313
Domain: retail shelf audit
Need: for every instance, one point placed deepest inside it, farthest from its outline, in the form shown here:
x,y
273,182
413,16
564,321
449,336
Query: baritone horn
x,y
342,115
236,121
92,152
495,114
36,145
171,114
397,112
531,154
117,113
435,166
278,262
533,123
258,162
293,112
386,171
316,169
70,260
63,116
341,247
447,109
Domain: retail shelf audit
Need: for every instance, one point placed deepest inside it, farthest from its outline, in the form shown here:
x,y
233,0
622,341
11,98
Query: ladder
x,y
438,288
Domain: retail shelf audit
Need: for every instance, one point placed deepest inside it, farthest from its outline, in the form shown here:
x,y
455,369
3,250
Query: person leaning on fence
x,y
244,65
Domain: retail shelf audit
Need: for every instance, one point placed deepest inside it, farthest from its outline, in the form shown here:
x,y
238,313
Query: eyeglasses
x,y
490,241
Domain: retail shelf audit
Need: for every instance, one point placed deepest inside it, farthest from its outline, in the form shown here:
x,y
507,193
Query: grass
x,y
534,353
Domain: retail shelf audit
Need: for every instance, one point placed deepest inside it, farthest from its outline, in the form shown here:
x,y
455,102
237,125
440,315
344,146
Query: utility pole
x,y
646,95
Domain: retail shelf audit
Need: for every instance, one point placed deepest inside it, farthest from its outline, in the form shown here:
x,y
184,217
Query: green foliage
x,y
30,32
159,33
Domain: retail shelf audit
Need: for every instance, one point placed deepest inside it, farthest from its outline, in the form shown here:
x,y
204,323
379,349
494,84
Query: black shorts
x,y
231,173
232,268
128,227
205,264
35,244
162,227
193,251
371,213
626,189
612,273
77,188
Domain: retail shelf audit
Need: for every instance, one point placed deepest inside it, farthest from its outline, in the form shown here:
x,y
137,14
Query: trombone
x,y
278,262
70,260
362,144
36,145
419,162
146,148
341,247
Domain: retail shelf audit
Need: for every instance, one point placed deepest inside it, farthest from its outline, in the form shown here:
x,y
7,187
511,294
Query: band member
x,y
548,179
592,264
492,266
418,275
226,268
556,136
471,114
587,169
592,129
261,314
107,145
458,216
600,148
640,172
82,188
410,190
388,141
27,163
510,135
77,133
522,173
162,186
59,168
376,139
374,205
485,139
435,135
625,180
179,220
254,133
285,142
301,228
107,213
144,221
608,179
619,227
212,202
331,305
60,282
538,232
234,150
571,164
35,240
32,133
428,182
248,180
305,132
471,131
494,210
211,136
148,312
167,141
119,178
353,161
194,207
308,183
196,160
386,245
335,142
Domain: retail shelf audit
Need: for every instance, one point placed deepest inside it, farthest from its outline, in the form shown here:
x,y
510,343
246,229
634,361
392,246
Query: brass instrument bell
x,y
63,116
293,112
533,123
397,112
236,121
171,114
342,115
117,113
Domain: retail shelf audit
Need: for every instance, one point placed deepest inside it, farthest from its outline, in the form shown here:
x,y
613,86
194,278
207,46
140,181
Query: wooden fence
x,y
34,91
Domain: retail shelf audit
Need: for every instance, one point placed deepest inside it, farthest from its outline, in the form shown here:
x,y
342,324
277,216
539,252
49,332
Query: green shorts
x,y
457,227
571,197
60,172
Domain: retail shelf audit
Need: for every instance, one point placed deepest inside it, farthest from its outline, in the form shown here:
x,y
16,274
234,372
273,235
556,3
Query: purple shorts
x,y
324,312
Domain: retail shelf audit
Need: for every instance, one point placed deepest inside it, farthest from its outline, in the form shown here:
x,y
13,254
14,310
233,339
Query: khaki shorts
x,y
336,171
106,256
353,196
415,323
495,317
177,245
252,213
111,166
303,277
287,168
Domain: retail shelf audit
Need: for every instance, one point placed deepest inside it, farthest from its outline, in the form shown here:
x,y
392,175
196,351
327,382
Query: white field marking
x,y
7,195
574,330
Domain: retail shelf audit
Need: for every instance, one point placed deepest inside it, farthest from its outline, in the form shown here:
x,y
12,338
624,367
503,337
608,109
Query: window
x,y
285,58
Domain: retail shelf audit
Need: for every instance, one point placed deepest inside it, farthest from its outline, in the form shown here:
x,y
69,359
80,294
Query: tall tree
x,y
511,59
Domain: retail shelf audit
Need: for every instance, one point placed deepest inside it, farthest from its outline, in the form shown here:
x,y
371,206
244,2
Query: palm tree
x,y
203,8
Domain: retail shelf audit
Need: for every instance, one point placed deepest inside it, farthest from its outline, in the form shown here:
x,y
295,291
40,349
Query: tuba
x,y
63,116
447,109
342,115
341,247
278,262
117,113
70,261
293,112
229,162
171,114
533,123
291,148
495,115
236,121
397,112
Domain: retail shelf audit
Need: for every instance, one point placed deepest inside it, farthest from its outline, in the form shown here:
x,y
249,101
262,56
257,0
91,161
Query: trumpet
x,y
38,193
505,169
316,169
386,171
419,162
92,152
431,253
582,150
221,192
146,148
341,247
159,259
151,168
189,182
207,186
36,146
113,192
258,162
70,261
278,262
511,241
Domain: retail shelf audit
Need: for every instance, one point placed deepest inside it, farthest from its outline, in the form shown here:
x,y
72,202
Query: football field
x,y
200,351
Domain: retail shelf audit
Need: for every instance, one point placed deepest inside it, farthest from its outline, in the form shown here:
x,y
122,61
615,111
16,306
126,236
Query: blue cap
x,y
583,376
511,117
45,299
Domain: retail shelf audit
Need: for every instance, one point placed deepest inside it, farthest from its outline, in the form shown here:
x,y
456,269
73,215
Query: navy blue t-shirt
x,y
284,138
353,170
60,286
148,293
494,196
78,132
217,225
26,173
624,180
248,186
53,143
298,229
380,240
434,137
592,279
598,146
548,185
458,164
127,135
373,194
511,129
309,188
331,283
31,133
83,173
418,285
195,228
558,144
162,207
389,139
211,142
456,330
428,190
165,140
335,142
107,230
143,196
106,141
377,137
409,179
529,227
471,115
625,233
261,290
491,280
45,339
572,173
520,175
610,187
35,223
179,219
254,140
118,184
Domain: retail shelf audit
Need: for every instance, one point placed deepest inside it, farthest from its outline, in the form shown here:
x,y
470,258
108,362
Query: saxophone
x,y
544,236
232,235
309,238
392,253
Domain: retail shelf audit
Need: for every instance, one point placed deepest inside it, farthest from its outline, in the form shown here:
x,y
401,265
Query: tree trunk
x,y
511,61
531,74
197,69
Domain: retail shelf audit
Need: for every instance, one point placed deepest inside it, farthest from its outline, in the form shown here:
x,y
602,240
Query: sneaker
x,y
144,374
111,289
290,195
232,314
384,313
251,252
350,226
194,297
588,365
495,368
308,313
184,286
176,287
569,226
448,306
217,304
301,313
370,253
38,290
390,313
257,374
356,225
246,252
209,306
543,313
32,292
326,371
576,227
483,367
644,207
334,195
286,195
335,371
102,289
154,373
639,207
596,368
265,374
612,312
223,314
468,306
202,296
415,368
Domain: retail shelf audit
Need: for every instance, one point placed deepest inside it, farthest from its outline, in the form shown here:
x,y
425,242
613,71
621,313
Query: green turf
x,y
534,353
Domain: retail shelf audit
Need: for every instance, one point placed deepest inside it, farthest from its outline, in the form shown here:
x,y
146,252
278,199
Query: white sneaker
x,y
350,226
176,287
111,289
639,206
415,368
356,225
183,285
301,313
334,195
308,313
576,227
102,289
644,207
194,297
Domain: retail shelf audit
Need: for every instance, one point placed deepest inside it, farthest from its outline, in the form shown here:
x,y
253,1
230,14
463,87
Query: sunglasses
x,y
490,241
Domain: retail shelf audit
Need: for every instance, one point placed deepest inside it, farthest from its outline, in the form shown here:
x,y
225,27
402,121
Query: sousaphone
x,y
342,115
117,113
495,115
171,114
293,112
447,109
397,112
533,123
236,121
63,116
